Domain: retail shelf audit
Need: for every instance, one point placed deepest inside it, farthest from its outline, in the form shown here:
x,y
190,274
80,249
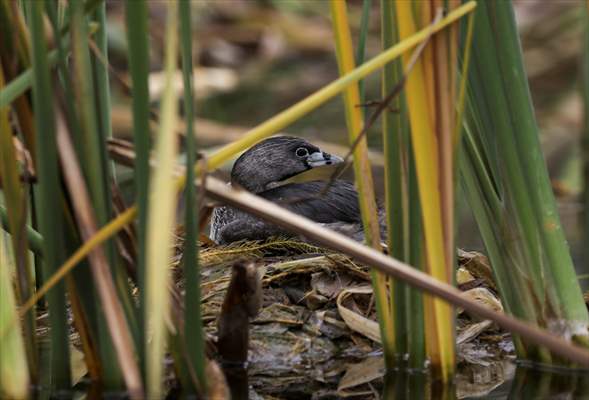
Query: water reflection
x,y
502,380
405,385
534,383
526,383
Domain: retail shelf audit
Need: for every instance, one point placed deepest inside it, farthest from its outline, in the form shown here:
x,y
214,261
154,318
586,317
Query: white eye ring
x,y
301,152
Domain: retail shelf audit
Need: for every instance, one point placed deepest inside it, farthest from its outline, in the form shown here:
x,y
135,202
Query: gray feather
x,y
263,169
337,209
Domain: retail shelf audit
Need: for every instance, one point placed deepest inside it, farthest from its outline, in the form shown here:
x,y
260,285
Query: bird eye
x,y
302,152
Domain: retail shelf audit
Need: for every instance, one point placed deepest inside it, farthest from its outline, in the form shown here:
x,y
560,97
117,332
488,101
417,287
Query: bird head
x,y
276,159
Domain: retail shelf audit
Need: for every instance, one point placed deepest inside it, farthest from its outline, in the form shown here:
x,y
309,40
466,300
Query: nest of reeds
x,y
316,330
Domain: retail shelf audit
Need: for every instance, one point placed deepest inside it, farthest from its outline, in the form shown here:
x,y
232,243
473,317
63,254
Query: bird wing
x,y
339,203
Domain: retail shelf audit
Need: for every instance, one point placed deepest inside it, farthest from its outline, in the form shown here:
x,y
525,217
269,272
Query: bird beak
x,y
320,158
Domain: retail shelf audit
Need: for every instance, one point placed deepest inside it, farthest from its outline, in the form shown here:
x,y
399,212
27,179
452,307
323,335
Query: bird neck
x,y
251,184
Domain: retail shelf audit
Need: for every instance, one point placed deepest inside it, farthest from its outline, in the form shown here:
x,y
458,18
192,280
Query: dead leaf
x,y
358,374
356,322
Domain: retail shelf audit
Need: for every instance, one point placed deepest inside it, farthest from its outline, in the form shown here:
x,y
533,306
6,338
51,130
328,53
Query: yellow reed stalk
x,y
161,219
362,171
426,14
422,86
260,132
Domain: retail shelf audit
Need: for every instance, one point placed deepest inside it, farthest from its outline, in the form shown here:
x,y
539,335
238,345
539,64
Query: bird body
x,y
262,170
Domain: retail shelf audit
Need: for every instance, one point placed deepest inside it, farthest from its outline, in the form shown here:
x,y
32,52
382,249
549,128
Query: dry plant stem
x,y
255,205
113,310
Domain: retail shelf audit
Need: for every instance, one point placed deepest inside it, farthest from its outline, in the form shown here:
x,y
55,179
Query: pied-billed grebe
x,y
263,169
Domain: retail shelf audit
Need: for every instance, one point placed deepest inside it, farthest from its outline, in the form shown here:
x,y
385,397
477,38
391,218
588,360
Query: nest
x,y
315,334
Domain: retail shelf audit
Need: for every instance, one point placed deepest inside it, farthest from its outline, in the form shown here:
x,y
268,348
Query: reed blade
x,y
102,84
395,195
137,36
34,238
193,329
49,205
362,172
161,219
90,144
123,360
538,267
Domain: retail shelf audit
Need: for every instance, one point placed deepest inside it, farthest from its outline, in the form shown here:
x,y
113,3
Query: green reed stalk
x,y
90,137
102,84
34,239
53,11
193,331
486,206
518,215
88,321
92,154
395,177
402,203
137,34
49,206
23,82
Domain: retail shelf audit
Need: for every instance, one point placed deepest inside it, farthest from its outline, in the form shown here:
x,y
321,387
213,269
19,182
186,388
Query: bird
x,y
263,170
